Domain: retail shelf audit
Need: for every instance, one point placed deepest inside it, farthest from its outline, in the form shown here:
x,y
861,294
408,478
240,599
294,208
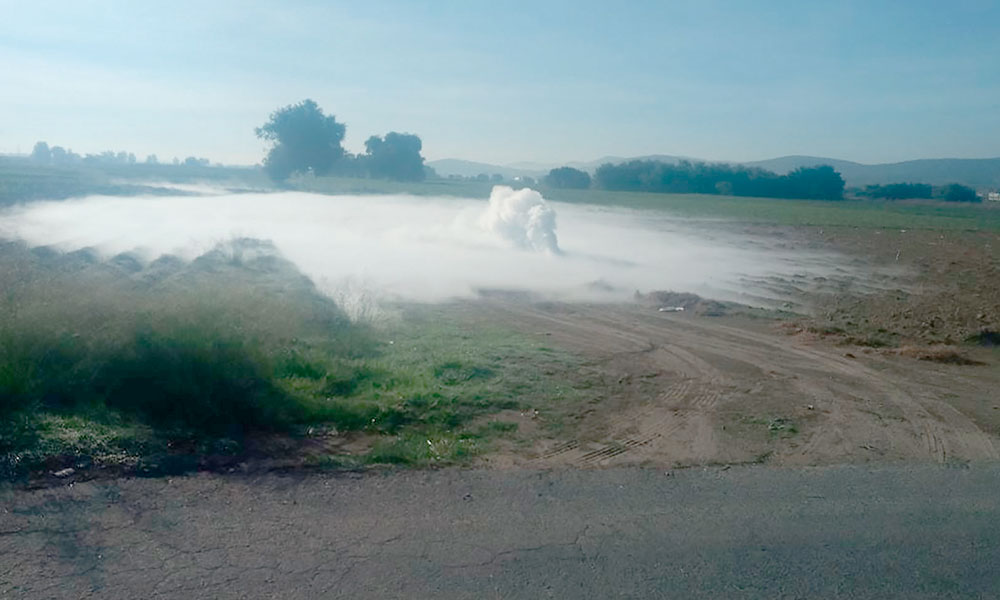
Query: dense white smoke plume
x,y
522,217
360,248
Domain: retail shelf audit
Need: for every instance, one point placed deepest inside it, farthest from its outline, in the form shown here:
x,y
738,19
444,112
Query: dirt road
x,y
692,390
744,532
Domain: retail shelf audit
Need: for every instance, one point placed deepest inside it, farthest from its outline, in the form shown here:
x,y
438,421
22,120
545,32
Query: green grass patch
x,y
101,366
423,449
776,427
434,377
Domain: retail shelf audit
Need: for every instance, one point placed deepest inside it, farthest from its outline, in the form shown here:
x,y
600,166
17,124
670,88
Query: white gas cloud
x,y
522,217
426,249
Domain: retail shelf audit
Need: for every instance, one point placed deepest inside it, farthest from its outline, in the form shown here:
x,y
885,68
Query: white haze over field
x,y
425,248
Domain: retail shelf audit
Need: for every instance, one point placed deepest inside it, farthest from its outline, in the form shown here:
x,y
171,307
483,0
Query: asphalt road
x,y
744,532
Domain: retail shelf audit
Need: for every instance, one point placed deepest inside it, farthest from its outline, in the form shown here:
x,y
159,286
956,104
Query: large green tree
x,y
395,156
41,152
303,140
819,183
959,193
568,177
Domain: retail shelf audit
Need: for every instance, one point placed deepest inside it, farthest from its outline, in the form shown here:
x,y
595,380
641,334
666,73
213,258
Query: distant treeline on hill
x,y
821,183
685,177
905,191
60,157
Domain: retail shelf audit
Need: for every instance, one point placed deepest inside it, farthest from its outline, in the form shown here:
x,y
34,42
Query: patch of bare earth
x,y
947,293
877,373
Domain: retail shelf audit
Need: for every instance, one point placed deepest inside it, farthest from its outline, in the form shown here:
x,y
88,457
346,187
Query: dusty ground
x,y
886,368
931,287
890,365
689,390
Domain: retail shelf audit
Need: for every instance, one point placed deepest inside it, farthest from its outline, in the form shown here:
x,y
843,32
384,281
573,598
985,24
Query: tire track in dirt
x,y
941,436
693,395
703,362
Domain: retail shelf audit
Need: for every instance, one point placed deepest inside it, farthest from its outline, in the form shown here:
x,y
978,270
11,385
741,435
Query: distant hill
x,y
537,167
468,168
784,164
591,166
976,172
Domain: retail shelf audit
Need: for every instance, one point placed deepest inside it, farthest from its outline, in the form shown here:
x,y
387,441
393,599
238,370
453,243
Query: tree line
x,y
305,140
687,177
302,140
953,192
58,156
821,182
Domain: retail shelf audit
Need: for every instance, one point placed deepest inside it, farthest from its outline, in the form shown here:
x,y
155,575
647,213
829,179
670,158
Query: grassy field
x,y
106,365
21,180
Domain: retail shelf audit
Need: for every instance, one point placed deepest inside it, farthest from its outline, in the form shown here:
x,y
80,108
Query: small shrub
x,y
345,379
986,337
417,449
455,372
181,377
294,364
345,415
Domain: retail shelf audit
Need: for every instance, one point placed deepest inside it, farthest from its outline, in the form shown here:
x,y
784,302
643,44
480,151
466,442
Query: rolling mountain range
x,y
983,173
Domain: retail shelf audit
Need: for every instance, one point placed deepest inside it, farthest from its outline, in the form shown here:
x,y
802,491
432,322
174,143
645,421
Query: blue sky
x,y
547,81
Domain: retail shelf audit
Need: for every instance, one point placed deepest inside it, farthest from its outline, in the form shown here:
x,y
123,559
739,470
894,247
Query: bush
x,y
188,377
959,193
171,373
899,191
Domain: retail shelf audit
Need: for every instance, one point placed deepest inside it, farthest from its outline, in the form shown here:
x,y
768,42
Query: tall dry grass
x,y
199,347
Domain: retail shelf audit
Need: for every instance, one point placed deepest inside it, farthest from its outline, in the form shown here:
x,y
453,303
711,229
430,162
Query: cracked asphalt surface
x,y
743,532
